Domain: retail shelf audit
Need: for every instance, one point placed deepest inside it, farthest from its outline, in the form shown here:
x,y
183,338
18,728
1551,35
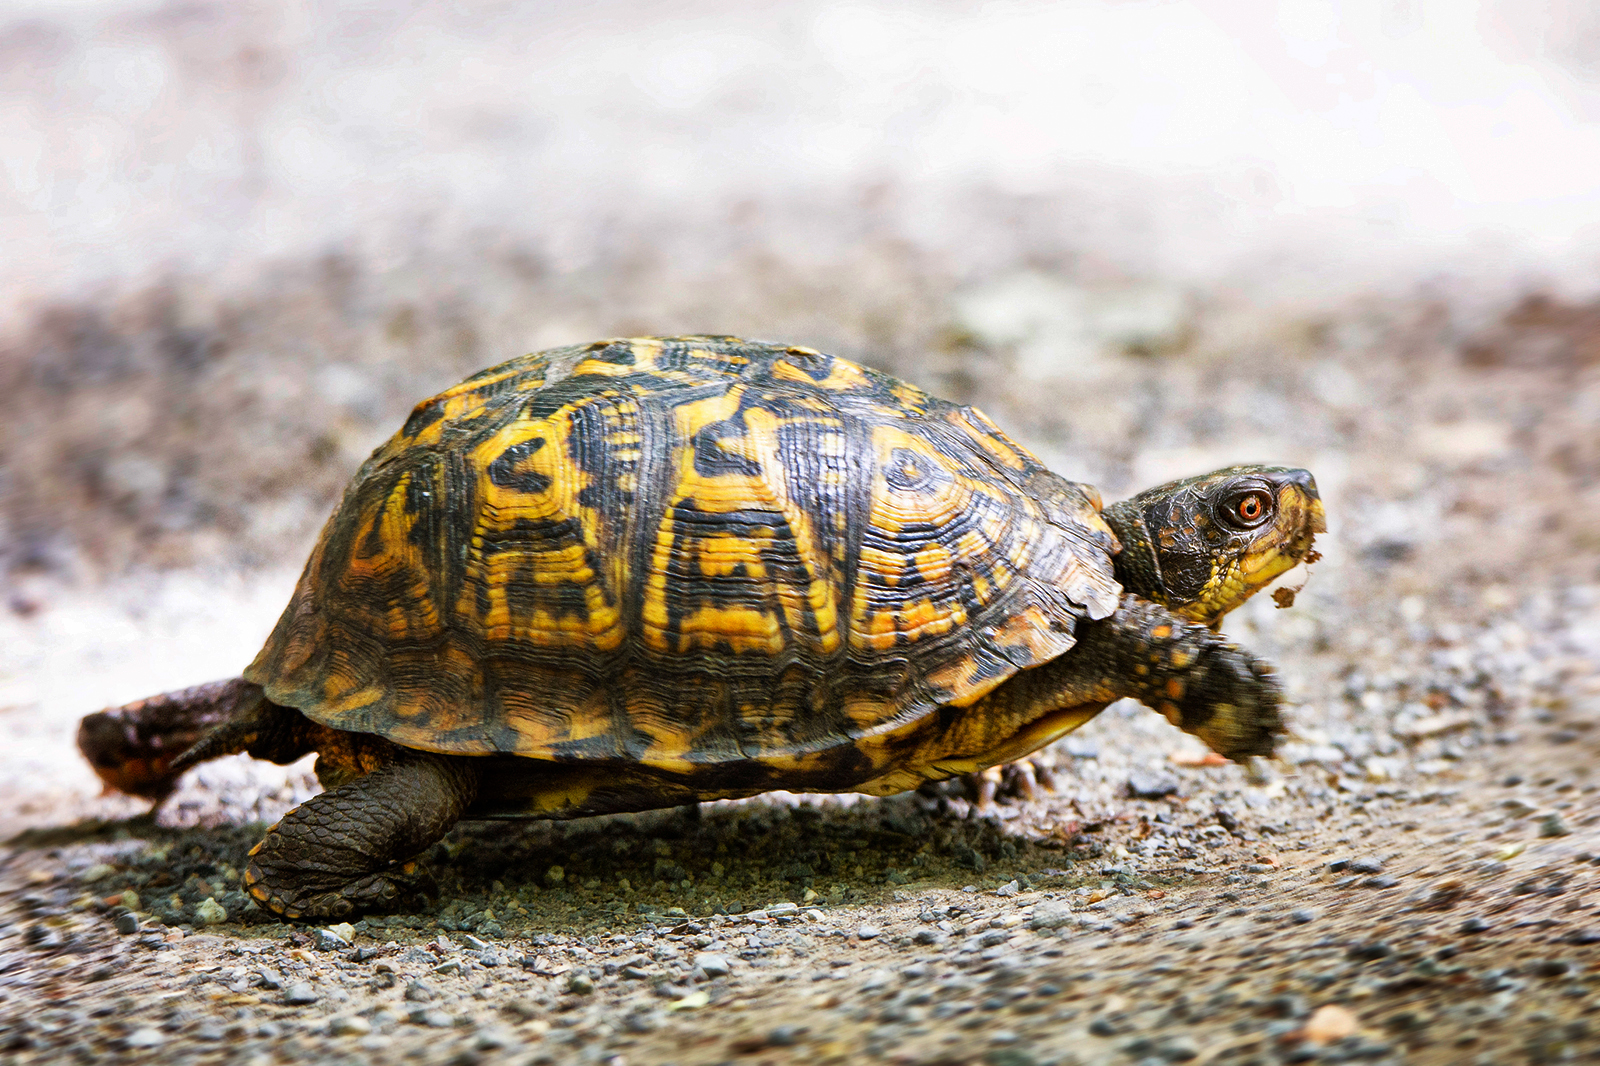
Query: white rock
x,y
209,912
712,965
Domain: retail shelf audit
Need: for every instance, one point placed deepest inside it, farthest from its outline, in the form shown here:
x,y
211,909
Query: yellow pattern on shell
x,y
502,509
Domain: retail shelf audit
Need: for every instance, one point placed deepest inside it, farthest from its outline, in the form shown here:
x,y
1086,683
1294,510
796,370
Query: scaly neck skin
x,y
1136,566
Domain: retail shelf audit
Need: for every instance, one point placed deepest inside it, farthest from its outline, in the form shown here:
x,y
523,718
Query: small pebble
x,y
328,940
712,965
1329,1024
1474,925
1302,916
1011,1056
349,1025
868,932
127,924
1178,1049
1050,915
144,1038
493,1038
1151,784
209,912
1552,825
299,994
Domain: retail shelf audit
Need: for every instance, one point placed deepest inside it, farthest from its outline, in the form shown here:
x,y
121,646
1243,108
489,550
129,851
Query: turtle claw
x,y
397,889
1027,779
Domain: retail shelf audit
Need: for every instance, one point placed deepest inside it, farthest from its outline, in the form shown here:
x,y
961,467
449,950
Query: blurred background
x,y
238,240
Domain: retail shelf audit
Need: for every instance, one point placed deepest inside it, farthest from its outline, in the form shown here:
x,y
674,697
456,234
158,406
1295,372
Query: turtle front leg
x,y
1200,682
345,850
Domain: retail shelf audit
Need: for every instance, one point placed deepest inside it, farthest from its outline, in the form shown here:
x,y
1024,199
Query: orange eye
x,y
1246,510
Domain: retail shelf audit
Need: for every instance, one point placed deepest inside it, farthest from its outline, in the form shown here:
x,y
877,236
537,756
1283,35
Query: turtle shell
x,y
682,552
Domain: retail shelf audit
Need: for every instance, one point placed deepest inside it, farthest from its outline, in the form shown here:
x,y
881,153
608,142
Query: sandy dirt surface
x,y
1412,881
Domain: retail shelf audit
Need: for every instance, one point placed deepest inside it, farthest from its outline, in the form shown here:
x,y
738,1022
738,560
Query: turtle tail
x,y
144,747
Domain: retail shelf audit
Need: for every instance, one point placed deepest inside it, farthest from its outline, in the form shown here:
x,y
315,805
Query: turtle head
x,y
1202,546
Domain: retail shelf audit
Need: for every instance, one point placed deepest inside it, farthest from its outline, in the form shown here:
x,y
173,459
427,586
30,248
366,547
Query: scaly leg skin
x,y
1200,682
341,851
1195,678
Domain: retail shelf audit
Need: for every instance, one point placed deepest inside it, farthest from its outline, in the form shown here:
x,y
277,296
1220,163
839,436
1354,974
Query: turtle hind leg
x,y
346,850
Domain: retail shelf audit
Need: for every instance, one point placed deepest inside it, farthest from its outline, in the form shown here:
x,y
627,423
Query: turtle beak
x,y
1298,495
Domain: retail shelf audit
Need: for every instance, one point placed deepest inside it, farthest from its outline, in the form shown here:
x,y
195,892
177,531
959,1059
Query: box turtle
x,y
641,573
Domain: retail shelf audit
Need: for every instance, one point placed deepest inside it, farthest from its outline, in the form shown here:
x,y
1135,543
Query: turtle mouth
x,y
1300,552
1315,521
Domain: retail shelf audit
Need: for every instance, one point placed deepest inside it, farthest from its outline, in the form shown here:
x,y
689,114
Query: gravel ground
x,y
1412,881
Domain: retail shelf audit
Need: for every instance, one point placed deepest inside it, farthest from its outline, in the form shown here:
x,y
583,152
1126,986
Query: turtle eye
x,y
1247,509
